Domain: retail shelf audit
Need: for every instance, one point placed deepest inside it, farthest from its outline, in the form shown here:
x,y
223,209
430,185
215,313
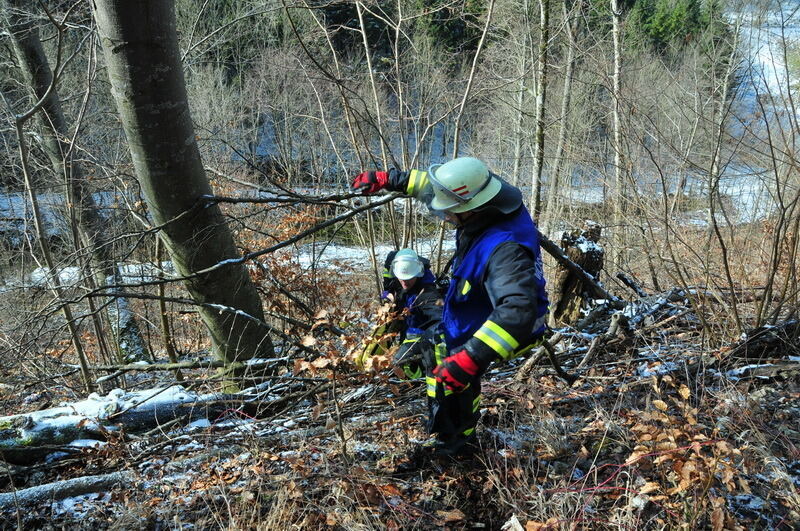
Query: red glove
x,y
456,371
370,182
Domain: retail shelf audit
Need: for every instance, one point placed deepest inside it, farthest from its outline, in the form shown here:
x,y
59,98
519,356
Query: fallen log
x,y
27,437
769,341
59,490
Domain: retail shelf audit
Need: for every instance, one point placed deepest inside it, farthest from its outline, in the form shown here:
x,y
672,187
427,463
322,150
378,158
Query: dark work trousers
x,y
450,414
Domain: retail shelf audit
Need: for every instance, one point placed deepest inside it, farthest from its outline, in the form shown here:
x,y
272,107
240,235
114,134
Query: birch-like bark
x,y
141,50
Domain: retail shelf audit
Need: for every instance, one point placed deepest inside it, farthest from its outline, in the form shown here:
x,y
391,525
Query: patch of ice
x,y
78,506
188,447
87,443
737,373
586,246
357,393
665,367
199,423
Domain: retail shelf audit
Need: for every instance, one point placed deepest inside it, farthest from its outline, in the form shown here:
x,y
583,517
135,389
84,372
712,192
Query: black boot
x,y
457,446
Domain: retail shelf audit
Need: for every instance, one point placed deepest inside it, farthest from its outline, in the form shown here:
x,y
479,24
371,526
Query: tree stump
x,y
569,294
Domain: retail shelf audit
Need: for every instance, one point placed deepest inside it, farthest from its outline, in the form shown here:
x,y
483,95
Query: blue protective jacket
x,y
468,306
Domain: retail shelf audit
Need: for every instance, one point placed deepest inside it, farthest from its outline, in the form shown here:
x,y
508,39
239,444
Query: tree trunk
x,y
57,145
141,50
618,194
569,293
553,203
541,94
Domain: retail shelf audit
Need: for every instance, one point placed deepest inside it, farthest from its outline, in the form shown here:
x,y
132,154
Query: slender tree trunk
x,y
618,194
384,158
519,110
553,203
140,45
48,258
541,96
57,145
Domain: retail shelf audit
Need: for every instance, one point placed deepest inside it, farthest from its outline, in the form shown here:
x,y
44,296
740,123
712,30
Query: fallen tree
x,y
59,490
27,437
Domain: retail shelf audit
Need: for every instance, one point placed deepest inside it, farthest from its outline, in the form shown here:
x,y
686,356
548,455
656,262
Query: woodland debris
x,y
769,341
27,437
574,283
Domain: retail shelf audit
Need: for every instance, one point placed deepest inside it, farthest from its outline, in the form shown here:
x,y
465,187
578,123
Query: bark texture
x,y
569,293
141,50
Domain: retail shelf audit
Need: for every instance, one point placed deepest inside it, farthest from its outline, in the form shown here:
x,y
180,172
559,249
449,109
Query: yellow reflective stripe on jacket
x,y
476,404
412,374
417,180
497,339
468,432
387,273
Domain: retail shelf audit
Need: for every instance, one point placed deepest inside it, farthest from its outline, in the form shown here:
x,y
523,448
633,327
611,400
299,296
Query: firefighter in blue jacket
x,y
409,284
496,305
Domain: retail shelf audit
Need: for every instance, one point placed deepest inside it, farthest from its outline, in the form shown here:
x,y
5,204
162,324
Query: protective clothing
x,y
415,310
496,303
462,184
407,265
456,371
370,182
471,317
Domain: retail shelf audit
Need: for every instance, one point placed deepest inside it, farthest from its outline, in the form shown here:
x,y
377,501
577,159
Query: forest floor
x,y
659,432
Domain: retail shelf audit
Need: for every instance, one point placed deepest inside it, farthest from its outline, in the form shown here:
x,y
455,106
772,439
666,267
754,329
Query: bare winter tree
x,y
141,51
57,143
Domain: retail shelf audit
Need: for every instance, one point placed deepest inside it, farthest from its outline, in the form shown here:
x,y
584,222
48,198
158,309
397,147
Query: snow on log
x,y
30,436
59,490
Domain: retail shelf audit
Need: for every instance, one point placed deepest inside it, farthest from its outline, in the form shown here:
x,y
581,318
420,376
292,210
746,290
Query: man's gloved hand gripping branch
x,y
370,182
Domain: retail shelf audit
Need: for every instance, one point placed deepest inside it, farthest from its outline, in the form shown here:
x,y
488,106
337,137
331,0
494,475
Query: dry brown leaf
x,y
309,341
660,404
717,519
684,392
390,490
650,486
451,516
540,526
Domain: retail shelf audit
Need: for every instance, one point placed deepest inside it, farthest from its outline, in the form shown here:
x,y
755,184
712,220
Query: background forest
x,y
669,124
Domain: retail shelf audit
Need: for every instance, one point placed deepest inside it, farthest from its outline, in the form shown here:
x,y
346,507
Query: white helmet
x,y
406,264
462,184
